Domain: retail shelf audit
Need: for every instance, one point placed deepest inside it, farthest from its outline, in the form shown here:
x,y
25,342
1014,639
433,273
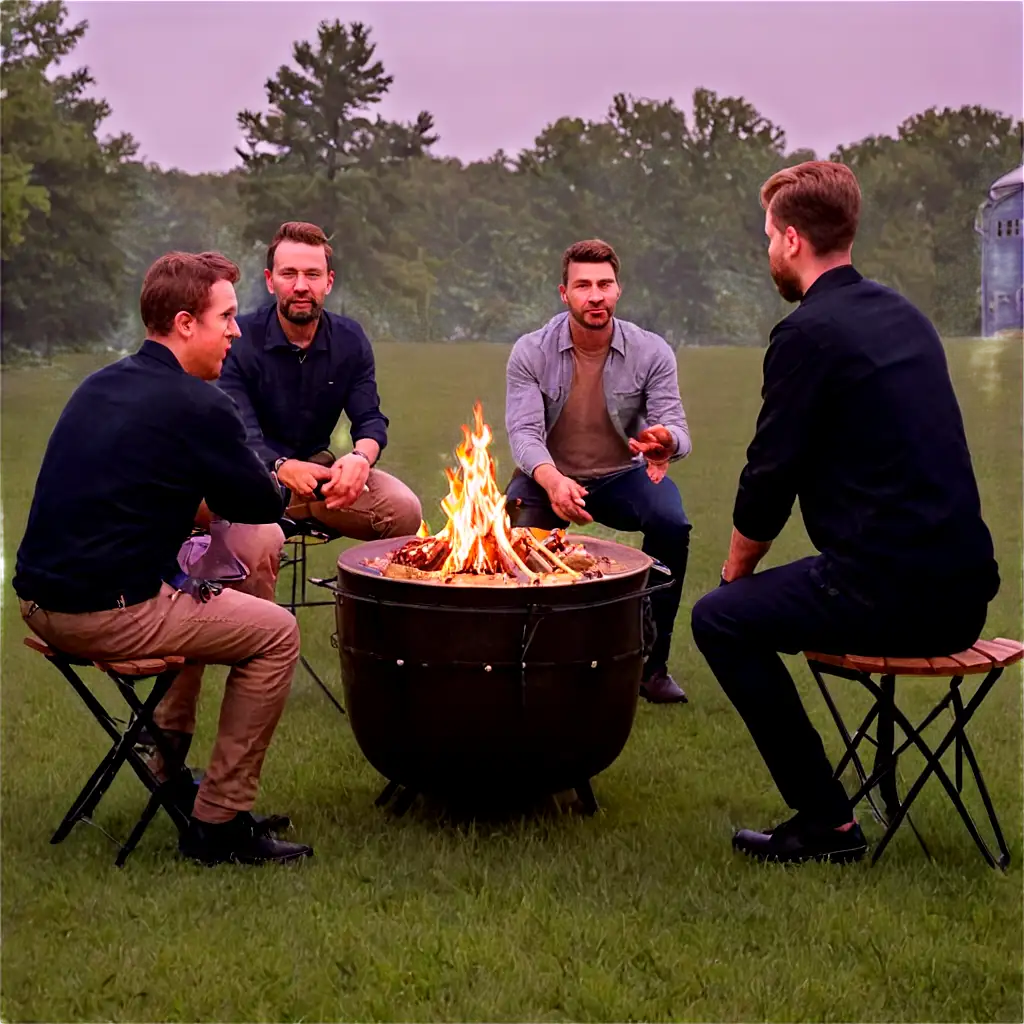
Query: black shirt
x,y
860,422
291,399
137,448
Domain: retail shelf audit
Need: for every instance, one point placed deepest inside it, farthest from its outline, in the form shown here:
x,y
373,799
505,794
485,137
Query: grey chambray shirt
x,y
641,388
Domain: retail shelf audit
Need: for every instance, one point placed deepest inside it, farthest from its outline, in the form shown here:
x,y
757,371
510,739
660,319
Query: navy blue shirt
x,y
860,422
137,448
291,399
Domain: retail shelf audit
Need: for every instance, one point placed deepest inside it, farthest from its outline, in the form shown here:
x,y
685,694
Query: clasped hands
x,y
567,497
342,482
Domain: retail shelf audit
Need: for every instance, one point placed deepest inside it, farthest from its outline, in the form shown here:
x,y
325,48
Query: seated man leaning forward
x,y
580,393
139,446
860,422
293,371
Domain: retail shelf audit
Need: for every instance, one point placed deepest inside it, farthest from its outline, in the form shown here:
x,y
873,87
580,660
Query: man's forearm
x,y
744,554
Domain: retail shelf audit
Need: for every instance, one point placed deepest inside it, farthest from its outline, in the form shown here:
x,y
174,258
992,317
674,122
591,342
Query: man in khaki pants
x,y
141,445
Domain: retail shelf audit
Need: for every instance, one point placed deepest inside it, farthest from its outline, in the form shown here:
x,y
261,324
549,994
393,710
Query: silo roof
x,y
1007,184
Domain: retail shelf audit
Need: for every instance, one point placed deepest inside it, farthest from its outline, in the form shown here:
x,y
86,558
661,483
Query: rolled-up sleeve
x,y
793,372
524,412
664,405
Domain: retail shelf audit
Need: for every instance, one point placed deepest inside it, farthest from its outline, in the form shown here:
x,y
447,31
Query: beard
x,y
786,281
302,315
580,316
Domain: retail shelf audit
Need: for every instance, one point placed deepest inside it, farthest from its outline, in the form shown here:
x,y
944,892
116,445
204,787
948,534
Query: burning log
x,y
478,542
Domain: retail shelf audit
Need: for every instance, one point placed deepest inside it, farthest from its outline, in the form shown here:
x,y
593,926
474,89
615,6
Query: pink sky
x,y
494,74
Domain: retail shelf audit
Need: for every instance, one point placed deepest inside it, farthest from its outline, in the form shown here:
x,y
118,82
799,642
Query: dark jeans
x,y
740,627
625,501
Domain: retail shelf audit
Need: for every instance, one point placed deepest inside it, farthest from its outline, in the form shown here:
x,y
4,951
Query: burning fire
x,y
478,539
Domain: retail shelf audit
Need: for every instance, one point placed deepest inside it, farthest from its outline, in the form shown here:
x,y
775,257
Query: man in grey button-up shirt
x,y
594,417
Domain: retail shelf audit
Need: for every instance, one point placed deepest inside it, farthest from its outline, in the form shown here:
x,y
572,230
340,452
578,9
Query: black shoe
x,y
661,688
242,840
799,840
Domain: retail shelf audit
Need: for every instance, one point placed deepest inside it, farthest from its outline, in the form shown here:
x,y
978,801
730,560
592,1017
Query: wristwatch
x,y
280,462
362,455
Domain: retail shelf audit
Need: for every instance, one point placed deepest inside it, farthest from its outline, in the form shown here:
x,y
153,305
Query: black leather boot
x,y
242,840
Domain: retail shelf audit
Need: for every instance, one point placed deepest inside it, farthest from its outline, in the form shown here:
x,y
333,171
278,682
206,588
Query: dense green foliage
x,y
432,249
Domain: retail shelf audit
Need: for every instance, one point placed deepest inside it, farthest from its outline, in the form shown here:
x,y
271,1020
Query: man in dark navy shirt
x,y
859,422
139,447
293,371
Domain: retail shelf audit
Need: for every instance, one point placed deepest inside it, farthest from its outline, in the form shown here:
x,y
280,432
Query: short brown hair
x,y
820,199
181,282
303,232
592,250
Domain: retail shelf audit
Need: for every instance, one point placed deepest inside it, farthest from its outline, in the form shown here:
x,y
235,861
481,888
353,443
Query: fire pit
x,y
487,662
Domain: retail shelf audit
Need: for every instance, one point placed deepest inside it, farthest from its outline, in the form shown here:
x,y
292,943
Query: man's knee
x,y
404,513
708,618
282,631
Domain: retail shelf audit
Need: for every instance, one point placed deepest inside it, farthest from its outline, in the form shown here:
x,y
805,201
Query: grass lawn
x,y
641,912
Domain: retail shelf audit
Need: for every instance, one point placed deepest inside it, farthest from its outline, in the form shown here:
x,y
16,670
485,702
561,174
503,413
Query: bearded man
x,y
295,369
594,417
859,421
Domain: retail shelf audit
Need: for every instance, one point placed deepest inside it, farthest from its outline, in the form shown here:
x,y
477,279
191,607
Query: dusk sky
x,y
494,74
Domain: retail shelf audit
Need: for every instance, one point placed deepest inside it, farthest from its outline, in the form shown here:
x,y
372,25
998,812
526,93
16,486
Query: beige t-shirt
x,y
583,441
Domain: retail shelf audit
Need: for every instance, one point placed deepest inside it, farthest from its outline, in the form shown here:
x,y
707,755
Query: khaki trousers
x,y
387,509
258,639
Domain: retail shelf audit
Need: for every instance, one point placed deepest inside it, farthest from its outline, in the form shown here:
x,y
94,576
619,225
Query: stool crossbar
x,y
125,675
986,657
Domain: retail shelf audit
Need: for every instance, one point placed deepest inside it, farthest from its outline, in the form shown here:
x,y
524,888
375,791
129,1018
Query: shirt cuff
x,y
683,444
534,455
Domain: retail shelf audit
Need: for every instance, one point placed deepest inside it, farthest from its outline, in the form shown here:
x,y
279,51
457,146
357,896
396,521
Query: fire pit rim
x,y
350,562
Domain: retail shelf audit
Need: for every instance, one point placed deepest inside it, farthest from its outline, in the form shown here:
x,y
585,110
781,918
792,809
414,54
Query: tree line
x,y
431,249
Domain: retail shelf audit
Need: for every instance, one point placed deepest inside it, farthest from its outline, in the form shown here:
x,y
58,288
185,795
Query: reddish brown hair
x,y
303,232
820,199
181,282
593,250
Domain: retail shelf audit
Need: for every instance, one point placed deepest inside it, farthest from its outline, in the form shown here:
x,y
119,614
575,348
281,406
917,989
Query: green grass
x,y
642,912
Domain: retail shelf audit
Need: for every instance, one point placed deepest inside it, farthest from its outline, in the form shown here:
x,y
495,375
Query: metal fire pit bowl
x,y
504,693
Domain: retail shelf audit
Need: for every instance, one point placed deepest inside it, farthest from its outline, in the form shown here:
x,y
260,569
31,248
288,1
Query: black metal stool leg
x,y
933,766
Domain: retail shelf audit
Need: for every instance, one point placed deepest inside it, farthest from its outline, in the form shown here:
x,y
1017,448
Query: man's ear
x,y
330,282
562,293
268,279
184,322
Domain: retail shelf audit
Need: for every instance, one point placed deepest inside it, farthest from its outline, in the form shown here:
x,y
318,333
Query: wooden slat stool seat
x,y
987,658
125,675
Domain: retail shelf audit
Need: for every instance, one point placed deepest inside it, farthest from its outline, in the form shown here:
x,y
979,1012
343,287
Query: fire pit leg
x,y
585,794
405,800
386,794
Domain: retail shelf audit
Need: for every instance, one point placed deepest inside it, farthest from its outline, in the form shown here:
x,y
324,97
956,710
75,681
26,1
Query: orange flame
x,y
478,532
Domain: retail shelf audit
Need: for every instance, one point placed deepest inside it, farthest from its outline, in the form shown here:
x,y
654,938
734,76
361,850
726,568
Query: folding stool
x,y
300,534
987,657
126,675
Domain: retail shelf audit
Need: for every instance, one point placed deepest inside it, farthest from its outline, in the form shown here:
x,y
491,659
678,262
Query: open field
x,y
642,912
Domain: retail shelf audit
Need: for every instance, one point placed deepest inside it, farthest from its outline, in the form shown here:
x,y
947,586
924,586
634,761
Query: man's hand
x,y
348,477
566,496
302,478
657,446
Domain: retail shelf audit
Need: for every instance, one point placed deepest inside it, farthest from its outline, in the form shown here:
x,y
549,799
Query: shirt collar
x,y
837,277
275,337
161,353
565,336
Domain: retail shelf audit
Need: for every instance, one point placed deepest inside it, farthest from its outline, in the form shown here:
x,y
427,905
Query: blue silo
x,y
1002,255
